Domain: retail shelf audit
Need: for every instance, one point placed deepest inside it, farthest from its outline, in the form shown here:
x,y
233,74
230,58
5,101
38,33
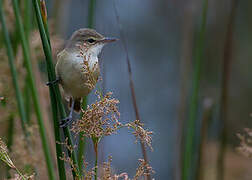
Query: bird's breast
x,y
74,75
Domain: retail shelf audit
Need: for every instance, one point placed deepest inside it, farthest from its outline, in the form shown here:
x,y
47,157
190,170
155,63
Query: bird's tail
x,y
77,104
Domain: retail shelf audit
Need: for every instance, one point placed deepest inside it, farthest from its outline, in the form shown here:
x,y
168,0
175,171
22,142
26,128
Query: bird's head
x,y
91,40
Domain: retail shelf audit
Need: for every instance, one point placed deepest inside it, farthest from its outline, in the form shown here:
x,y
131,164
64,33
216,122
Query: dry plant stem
x,y
4,156
207,112
34,93
133,95
95,142
10,139
224,92
51,77
193,108
10,54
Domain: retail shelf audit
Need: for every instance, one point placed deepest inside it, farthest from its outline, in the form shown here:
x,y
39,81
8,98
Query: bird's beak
x,y
109,39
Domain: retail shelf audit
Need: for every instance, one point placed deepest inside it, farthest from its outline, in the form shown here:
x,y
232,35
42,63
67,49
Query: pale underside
x,y
70,70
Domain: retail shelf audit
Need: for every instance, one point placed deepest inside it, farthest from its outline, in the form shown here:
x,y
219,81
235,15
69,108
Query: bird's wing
x,y
60,60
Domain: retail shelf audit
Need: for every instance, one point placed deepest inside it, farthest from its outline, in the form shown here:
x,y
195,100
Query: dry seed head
x,y
4,155
100,118
140,133
245,143
26,177
69,160
88,70
143,170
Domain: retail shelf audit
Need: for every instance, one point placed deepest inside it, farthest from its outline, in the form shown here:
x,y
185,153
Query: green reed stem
x,y
82,140
55,88
27,100
96,168
27,29
10,54
27,17
33,89
190,133
91,13
59,149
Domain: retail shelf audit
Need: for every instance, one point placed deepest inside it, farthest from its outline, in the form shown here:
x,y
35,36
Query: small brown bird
x,y
84,44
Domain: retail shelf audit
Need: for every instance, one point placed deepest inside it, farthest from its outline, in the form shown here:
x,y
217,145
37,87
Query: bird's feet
x,y
53,82
66,121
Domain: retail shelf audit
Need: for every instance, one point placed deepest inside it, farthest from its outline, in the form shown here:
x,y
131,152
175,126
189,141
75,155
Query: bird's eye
x,y
91,40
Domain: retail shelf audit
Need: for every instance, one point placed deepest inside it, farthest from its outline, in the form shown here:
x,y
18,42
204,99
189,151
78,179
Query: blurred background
x,y
164,44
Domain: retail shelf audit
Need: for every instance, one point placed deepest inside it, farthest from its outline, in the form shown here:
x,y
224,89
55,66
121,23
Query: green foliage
x,y
34,93
193,107
56,99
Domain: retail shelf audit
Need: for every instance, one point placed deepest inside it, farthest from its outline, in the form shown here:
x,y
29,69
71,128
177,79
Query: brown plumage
x,y
81,53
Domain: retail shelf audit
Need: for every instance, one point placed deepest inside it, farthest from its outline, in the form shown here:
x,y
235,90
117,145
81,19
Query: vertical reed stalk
x,y
33,89
10,54
185,70
207,112
91,13
55,88
96,142
190,133
59,149
27,18
131,84
27,29
224,92
82,141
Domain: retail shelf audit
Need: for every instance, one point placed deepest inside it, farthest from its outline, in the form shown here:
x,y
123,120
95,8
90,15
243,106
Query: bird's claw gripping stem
x,y
53,82
66,121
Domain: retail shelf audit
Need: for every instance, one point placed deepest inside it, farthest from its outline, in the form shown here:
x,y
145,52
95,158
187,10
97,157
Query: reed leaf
x,y
34,93
55,89
193,107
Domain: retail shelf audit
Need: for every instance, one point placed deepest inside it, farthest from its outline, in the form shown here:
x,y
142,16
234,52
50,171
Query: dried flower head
x,y
140,133
67,158
107,174
4,155
143,170
91,70
100,119
246,143
22,177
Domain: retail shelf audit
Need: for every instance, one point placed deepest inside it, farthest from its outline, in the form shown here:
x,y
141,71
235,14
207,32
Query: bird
x,y
79,55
